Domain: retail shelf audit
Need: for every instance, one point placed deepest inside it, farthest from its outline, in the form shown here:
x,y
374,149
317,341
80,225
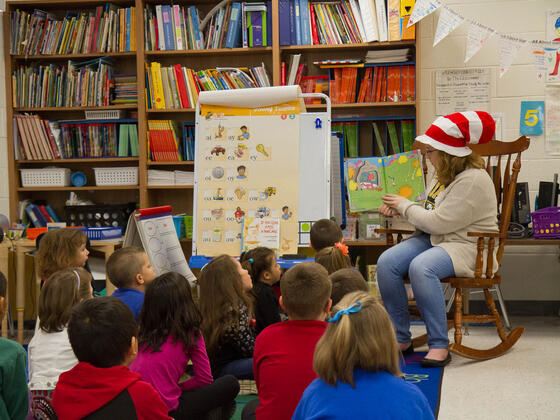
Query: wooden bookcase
x,y
179,197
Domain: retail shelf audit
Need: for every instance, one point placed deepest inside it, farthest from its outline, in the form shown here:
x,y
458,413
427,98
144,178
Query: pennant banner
x,y
509,47
478,34
422,8
447,23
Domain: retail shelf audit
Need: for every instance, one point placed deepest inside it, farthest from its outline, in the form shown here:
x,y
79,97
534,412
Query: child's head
x,y
102,332
332,259
261,264
168,309
3,290
61,248
62,291
223,286
324,233
306,291
130,268
345,281
362,339
241,170
243,128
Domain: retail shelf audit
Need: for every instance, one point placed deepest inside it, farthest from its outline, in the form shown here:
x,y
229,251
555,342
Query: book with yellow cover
x,y
159,99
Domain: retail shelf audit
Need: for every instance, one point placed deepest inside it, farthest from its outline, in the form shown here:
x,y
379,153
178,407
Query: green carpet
x,y
241,400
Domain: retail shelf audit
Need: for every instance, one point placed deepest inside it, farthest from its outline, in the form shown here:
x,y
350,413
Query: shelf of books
x,y
111,87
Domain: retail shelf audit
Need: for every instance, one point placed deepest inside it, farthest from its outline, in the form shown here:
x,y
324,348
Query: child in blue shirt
x,y
357,361
130,271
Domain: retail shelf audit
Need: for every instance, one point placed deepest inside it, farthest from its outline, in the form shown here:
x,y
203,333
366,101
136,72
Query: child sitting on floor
x,y
59,249
130,271
265,272
324,233
169,337
50,352
345,281
283,359
357,361
102,333
14,399
226,317
333,258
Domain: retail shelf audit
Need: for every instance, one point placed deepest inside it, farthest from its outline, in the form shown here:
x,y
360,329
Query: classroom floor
x,y
522,384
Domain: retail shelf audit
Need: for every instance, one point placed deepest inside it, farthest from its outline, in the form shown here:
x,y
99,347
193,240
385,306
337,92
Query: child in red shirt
x,y
283,357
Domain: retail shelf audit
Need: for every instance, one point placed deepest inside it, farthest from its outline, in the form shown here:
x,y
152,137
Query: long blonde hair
x,y
361,340
221,297
450,166
332,259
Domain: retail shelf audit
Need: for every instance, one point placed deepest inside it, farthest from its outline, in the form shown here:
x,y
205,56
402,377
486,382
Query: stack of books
x,y
177,87
399,55
126,91
163,139
159,177
172,27
107,29
37,215
184,178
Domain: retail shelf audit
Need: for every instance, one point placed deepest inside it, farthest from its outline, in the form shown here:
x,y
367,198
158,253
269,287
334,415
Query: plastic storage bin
x,y
116,176
188,222
104,215
178,221
45,177
100,233
546,223
108,114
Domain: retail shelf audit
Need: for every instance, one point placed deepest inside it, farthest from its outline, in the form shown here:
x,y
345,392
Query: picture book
x,y
260,231
370,178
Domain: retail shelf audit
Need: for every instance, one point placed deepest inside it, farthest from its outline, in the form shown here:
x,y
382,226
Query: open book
x,y
370,178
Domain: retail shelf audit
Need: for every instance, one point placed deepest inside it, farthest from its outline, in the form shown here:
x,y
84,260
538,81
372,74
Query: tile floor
x,y
522,384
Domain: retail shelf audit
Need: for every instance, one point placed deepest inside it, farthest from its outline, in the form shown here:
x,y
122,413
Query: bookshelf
x,y
180,197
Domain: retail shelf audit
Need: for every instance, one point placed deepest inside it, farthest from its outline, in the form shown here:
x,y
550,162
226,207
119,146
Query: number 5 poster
x,y
247,169
532,118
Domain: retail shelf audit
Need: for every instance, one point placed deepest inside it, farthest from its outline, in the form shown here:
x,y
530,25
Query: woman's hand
x,y
392,200
385,210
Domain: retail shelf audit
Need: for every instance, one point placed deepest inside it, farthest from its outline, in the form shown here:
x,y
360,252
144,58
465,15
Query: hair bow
x,y
356,307
342,247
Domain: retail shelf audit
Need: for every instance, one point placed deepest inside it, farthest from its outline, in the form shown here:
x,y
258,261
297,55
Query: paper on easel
x,y
447,23
478,34
423,8
259,231
153,230
509,47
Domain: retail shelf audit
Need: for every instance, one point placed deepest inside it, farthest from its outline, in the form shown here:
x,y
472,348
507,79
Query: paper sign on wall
x,y
553,54
532,118
462,90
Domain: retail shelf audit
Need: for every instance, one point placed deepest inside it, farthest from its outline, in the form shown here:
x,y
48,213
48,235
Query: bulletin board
x,y
251,162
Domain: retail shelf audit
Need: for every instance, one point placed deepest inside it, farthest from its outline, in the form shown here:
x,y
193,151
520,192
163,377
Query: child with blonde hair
x,y
333,259
59,249
50,352
264,270
357,361
226,317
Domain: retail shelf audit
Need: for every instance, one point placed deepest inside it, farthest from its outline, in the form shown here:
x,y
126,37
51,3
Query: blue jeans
x,y
240,368
425,265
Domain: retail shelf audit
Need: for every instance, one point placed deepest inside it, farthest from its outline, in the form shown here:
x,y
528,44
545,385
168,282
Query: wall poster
x,y
462,90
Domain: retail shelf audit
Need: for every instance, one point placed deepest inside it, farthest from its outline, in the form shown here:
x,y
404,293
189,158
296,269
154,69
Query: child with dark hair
x,y
324,233
283,360
14,399
345,281
130,271
333,258
50,353
226,317
103,333
169,338
264,270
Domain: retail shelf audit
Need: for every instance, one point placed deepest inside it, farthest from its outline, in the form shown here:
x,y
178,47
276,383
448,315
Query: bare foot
x,y
404,346
437,354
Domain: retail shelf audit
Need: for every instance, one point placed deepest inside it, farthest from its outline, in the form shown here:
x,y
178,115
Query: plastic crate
x,y
100,233
104,215
546,223
108,114
179,226
45,177
188,222
127,175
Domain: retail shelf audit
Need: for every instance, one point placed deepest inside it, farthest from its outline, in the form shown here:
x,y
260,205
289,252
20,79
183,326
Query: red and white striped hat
x,y
454,132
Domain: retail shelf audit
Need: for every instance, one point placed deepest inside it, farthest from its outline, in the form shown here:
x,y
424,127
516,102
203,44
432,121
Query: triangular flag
x,y
478,34
509,47
447,23
422,8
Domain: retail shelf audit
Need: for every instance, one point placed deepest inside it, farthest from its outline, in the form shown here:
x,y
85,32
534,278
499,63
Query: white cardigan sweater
x,y
468,204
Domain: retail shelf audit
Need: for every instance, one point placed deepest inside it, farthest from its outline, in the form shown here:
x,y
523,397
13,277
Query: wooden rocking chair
x,y
505,181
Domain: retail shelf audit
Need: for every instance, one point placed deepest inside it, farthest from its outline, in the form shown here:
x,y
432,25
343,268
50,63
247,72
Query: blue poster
x,y
532,117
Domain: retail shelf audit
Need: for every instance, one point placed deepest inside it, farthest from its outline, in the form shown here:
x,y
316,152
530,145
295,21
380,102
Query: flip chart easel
x,y
153,230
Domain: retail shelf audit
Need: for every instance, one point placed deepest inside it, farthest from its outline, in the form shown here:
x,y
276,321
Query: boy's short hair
x,y
306,290
344,281
123,266
3,285
101,330
324,232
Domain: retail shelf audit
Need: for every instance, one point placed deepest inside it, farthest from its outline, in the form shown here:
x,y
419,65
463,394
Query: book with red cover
x,y
182,86
313,25
46,214
299,74
283,74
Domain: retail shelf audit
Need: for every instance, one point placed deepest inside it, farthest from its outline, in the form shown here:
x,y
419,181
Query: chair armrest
x,y
487,235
